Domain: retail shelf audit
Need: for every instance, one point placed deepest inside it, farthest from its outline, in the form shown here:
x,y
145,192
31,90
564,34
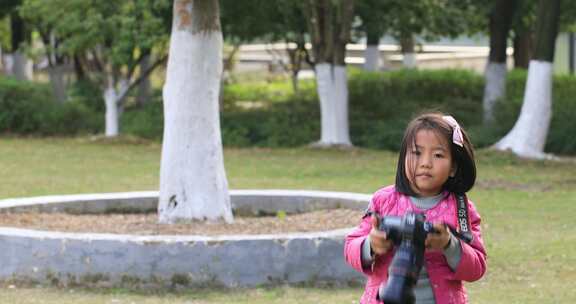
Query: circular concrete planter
x,y
188,260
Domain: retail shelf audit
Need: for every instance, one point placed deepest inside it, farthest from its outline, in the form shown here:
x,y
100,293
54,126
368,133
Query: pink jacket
x,y
446,284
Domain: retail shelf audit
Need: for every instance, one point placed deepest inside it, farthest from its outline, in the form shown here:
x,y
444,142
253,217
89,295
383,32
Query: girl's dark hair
x,y
462,157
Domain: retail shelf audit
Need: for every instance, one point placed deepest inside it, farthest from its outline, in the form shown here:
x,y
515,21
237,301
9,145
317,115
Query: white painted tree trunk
x,y
372,58
58,83
22,67
17,65
528,136
112,117
113,107
409,60
494,88
193,182
333,94
7,64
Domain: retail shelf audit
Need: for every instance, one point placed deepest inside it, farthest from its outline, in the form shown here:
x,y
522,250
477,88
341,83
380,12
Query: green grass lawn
x,y
527,209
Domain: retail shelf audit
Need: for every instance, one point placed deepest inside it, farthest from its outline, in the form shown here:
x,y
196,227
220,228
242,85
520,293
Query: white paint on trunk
x,y
409,60
528,136
17,65
494,88
58,83
113,106
332,88
193,182
371,58
22,67
112,117
8,63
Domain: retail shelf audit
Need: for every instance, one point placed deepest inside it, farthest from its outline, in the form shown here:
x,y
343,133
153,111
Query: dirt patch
x,y
146,224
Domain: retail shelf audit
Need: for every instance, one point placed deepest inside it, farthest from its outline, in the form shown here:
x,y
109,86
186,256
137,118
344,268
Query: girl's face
x,y
428,163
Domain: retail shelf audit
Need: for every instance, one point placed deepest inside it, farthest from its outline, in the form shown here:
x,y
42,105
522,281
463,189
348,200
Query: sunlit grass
x,y
527,209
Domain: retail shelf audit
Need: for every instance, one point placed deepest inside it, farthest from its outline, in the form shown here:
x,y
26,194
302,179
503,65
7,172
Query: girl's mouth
x,y
424,175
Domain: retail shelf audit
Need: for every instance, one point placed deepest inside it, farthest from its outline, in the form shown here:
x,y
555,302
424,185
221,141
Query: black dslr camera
x,y
408,234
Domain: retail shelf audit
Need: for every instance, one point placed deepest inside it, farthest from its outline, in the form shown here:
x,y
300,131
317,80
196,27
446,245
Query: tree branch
x,y
141,78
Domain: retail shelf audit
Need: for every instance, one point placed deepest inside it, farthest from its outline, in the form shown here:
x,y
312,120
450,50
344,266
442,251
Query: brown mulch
x,y
146,224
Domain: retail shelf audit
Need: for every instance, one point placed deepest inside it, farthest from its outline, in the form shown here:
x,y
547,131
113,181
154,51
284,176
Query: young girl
x,y
436,164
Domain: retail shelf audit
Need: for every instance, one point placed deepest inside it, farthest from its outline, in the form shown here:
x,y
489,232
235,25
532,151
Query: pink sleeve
x,y
354,240
353,245
472,264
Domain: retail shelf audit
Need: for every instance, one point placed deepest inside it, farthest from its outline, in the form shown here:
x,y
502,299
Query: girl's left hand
x,y
438,240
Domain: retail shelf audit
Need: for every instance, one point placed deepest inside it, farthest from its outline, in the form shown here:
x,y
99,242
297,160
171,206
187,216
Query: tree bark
x,y
112,98
547,30
144,88
21,67
496,68
78,68
528,136
523,44
333,94
408,53
8,63
494,88
57,82
372,59
297,56
193,182
330,24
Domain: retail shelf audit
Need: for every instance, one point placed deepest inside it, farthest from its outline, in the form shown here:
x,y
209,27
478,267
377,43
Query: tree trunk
x,y
496,69
408,53
330,24
56,74
297,57
21,67
17,65
371,58
523,44
112,113
372,53
144,88
8,63
193,182
78,69
528,136
494,88
333,94
294,80
112,98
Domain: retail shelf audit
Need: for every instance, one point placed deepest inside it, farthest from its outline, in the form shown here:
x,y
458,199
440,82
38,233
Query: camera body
x,y
408,233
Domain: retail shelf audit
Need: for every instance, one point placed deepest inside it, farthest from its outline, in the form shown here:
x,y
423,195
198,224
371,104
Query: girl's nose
x,y
426,161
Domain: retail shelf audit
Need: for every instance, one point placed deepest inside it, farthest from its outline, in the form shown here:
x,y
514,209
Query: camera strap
x,y
463,231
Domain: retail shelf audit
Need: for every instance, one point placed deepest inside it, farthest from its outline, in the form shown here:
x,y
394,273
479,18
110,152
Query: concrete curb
x,y
168,260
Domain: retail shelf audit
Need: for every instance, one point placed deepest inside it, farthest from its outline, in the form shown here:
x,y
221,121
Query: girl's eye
x,y
415,152
438,155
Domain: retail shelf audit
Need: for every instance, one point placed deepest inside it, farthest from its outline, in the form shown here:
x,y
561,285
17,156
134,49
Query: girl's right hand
x,y
378,241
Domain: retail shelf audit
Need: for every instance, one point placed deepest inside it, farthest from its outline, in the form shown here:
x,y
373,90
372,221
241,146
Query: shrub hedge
x,y
380,105
29,108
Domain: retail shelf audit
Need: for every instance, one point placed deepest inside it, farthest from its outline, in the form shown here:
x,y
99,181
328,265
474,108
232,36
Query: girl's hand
x,y
378,241
438,240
